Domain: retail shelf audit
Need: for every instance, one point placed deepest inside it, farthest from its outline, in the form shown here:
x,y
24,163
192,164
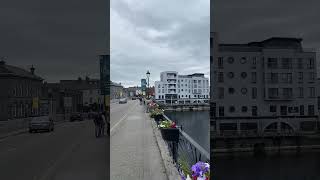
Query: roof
x,y
8,70
273,42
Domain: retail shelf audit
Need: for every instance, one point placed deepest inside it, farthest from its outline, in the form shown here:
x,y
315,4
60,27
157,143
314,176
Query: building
x,y
131,91
90,88
63,100
264,86
20,92
182,89
116,90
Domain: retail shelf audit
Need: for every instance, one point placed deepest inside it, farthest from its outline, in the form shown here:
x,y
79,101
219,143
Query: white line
x,y
123,118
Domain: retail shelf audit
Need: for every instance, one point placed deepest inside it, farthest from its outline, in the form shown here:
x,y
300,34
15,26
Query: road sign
x,y
35,103
105,74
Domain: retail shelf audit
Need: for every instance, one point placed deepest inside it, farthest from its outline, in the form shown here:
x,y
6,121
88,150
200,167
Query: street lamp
x,y
148,75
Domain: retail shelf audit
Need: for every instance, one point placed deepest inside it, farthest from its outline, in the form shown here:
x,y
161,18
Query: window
x,y
310,63
254,93
254,62
231,90
273,93
300,76
230,75
221,111
300,92
286,63
244,109
220,92
283,110
311,110
287,92
312,92
244,90
243,60
220,62
311,76
286,77
273,77
272,63
254,77
254,110
159,90
273,108
232,109
300,63
301,110
230,60
243,75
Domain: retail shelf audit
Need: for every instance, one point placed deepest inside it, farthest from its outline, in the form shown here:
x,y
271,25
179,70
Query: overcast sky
x,y
158,36
255,20
61,38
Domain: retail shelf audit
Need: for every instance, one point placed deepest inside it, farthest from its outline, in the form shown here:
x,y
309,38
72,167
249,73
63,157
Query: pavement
x,y
134,152
70,152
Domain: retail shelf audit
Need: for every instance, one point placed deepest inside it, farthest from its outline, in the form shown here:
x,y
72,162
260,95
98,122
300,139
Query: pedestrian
x,y
97,121
102,123
140,100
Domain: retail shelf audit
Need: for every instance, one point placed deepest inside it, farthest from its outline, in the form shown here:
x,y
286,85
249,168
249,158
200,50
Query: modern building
x,y
20,92
143,86
182,89
263,86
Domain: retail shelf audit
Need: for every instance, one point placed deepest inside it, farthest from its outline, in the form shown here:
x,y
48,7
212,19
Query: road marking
x,y
123,118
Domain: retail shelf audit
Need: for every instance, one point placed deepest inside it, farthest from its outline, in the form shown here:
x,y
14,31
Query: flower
x,y
200,169
167,124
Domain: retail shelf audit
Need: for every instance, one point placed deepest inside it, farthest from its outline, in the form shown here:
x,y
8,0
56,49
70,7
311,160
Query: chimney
x,y
32,70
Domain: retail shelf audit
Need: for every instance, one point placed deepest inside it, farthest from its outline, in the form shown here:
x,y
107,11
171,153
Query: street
x,y
134,151
70,152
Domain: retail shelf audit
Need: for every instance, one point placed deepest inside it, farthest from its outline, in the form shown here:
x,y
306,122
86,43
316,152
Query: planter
x,y
170,134
158,118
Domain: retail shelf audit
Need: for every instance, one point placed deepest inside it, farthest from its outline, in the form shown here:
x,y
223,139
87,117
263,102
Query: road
x,y
70,152
134,151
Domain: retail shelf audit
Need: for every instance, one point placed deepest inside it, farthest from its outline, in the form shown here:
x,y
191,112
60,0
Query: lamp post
x,y
148,75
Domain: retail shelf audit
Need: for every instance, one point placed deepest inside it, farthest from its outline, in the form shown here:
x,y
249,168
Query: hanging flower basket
x,y
170,134
169,131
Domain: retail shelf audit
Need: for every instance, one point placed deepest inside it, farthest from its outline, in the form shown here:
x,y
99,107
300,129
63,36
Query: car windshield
x,y
40,119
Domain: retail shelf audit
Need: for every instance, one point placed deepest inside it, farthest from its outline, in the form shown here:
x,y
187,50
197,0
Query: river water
x,y
195,124
305,166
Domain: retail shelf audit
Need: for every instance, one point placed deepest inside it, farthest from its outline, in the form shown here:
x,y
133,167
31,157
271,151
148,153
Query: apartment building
x,y
182,89
263,86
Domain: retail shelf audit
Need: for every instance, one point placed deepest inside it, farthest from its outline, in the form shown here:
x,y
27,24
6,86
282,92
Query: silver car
x,y
123,101
41,123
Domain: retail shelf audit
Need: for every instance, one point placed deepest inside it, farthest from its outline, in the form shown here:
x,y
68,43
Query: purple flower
x,y
199,169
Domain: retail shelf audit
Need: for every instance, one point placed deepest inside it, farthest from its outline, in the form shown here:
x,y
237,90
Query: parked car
x,y
76,117
134,98
41,123
123,101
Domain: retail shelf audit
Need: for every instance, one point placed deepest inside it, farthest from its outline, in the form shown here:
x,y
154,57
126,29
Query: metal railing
x,y
187,148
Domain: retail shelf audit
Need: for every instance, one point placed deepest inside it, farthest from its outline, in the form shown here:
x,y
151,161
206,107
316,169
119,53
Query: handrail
x,y
198,147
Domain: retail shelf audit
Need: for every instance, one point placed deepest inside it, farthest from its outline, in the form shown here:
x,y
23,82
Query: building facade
x,y
20,92
182,89
116,90
264,86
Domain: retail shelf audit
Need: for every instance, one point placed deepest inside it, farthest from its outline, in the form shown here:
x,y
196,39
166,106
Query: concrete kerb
x,y
169,165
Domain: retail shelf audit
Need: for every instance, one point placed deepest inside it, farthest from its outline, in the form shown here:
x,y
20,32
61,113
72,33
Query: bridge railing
x,y
188,149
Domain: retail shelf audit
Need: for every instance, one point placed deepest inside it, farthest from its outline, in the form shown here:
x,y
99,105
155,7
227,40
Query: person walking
x,y
97,123
102,123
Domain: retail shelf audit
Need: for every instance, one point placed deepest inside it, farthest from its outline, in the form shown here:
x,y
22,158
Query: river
x,y
305,166
195,124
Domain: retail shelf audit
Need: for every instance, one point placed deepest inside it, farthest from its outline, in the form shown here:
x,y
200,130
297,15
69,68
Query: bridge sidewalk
x,y
134,150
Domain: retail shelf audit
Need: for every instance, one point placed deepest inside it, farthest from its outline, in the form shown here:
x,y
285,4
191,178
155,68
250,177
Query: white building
x,y
264,86
182,89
